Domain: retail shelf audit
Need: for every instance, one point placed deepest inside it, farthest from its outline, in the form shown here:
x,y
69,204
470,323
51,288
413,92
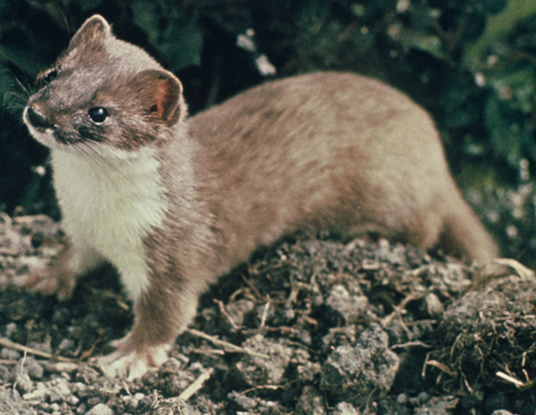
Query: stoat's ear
x,y
94,28
161,95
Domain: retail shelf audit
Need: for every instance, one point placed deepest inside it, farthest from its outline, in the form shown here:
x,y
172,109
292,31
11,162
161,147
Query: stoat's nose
x,y
36,119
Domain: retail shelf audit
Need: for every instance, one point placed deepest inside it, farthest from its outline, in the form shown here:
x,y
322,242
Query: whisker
x,y
26,88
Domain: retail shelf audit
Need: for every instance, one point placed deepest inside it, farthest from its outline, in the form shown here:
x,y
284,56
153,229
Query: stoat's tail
x,y
465,236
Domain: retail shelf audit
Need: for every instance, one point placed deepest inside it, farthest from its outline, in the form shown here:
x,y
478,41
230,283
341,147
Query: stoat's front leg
x,y
160,314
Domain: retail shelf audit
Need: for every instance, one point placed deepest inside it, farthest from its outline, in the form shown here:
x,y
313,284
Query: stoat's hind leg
x,y
60,278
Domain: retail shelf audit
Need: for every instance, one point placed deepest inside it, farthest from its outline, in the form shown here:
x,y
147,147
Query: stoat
x,y
173,202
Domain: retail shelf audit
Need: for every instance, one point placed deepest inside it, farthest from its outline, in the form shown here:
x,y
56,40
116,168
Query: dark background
x,y
470,63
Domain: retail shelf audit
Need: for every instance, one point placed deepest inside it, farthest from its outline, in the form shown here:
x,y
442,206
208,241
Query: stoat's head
x,y
104,93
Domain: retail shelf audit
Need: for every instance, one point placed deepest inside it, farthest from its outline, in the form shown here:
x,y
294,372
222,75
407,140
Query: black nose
x,y
37,119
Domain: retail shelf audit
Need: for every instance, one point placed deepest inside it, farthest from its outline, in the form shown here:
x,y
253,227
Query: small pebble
x,y
10,354
5,374
66,344
11,328
79,389
132,404
402,399
24,383
94,401
82,409
63,388
86,374
100,409
344,408
72,400
34,369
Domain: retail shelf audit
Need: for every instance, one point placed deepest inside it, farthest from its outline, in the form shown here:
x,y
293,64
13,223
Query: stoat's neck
x,y
87,182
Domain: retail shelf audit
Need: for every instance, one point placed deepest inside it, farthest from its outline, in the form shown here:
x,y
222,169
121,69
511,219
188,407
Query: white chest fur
x,y
110,205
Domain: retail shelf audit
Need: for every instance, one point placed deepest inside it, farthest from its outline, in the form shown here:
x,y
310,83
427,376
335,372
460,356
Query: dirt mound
x,y
309,326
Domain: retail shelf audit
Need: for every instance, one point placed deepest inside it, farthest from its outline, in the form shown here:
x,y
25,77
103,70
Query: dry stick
x,y
510,379
269,387
226,314
208,352
198,384
265,313
409,344
252,286
399,308
15,346
441,366
225,345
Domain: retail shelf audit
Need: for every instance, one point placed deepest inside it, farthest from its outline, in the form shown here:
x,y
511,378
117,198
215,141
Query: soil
x,y
312,325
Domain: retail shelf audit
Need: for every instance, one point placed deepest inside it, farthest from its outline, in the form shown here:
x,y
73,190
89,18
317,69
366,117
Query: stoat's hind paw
x,y
49,281
132,363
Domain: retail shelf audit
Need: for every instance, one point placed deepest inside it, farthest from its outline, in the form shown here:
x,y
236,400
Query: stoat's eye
x,y
50,76
47,78
98,115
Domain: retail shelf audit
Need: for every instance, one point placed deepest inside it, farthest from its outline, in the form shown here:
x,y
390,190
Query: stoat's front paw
x,y
133,363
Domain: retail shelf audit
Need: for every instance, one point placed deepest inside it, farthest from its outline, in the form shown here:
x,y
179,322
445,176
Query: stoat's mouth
x,y
47,133
43,135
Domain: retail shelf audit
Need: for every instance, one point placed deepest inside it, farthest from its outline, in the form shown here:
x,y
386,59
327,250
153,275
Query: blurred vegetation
x,y
471,63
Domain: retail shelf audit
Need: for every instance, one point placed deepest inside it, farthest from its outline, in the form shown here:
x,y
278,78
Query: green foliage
x,y
470,63
498,27
173,31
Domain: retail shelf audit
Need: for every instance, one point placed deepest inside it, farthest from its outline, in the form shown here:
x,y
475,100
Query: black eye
x,y
50,76
98,115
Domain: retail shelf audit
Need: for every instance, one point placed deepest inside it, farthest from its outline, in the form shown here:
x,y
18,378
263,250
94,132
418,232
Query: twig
x,y
208,352
399,308
269,387
265,313
25,349
426,360
23,361
440,366
510,379
223,310
251,285
198,384
125,386
467,385
409,344
229,347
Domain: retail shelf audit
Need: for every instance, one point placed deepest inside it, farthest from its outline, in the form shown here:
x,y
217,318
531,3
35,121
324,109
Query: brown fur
x,y
319,151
